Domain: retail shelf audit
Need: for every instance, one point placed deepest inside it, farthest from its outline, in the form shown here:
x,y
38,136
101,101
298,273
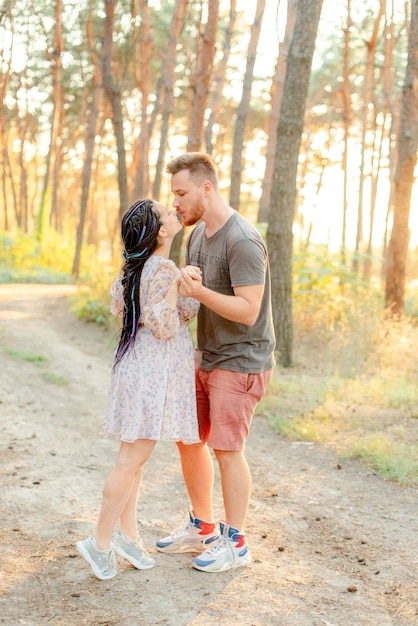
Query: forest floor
x,y
332,543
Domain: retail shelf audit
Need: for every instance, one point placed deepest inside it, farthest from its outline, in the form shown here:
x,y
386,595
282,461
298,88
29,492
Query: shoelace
x,y
109,558
183,530
222,543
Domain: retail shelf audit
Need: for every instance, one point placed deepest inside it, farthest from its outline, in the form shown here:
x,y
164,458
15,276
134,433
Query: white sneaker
x,y
230,551
132,551
193,537
102,562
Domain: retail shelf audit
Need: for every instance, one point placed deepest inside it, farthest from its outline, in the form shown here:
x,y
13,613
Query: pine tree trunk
x,y
167,91
202,79
283,194
368,86
407,158
243,108
89,152
219,80
276,103
113,93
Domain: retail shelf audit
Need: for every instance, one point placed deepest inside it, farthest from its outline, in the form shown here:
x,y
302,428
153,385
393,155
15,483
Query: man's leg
x,y
233,398
231,550
236,485
197,467
200,530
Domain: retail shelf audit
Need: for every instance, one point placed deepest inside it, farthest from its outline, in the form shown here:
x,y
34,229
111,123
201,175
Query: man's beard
x,y
195,216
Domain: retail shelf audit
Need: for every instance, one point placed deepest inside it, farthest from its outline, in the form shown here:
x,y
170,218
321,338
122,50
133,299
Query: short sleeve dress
x,y
152,389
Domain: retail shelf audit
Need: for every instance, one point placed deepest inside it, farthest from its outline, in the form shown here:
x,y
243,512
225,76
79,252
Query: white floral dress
x,y
152,389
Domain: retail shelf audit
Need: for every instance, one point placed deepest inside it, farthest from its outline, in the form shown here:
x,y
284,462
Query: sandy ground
x,y
332,543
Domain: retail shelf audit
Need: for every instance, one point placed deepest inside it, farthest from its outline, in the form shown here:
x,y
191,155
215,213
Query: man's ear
x,y
207,186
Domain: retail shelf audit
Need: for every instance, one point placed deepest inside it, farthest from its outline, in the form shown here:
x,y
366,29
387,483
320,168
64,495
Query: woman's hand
x,y
192,270
190,283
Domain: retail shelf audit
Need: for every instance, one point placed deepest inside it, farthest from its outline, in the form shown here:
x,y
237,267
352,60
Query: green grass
x,y
55,379
37,359
26,356
396,461
353,386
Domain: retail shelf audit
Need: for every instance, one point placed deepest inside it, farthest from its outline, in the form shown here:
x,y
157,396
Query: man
x,y
235,339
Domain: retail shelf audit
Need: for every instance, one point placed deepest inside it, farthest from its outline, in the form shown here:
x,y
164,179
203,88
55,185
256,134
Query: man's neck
x,y
217,218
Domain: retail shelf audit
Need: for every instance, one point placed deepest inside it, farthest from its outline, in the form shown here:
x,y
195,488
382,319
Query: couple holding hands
x,y
157,389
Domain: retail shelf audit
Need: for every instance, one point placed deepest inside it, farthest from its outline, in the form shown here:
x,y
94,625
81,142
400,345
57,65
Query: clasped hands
x,y
190,282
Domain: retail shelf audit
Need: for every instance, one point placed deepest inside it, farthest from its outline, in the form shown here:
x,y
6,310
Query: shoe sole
x,y
132,561
86,556
183,548
222,568
180,549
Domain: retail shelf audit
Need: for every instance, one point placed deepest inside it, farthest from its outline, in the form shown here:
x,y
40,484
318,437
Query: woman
x,y
152,388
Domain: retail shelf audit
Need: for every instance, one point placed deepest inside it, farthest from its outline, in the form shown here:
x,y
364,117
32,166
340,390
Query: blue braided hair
x,y
139,231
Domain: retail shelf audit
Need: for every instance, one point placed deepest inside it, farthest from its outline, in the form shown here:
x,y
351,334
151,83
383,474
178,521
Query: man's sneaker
x,y
193,537
102,562
132,551
230,551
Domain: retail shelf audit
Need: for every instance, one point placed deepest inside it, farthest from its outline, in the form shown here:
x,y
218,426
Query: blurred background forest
x,y
310,110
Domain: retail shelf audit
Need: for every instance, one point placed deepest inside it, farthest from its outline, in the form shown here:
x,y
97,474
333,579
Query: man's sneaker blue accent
x,y
230,551
193,537
102,562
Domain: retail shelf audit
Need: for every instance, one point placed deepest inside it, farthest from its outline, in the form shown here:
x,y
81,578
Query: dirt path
x,y
332,543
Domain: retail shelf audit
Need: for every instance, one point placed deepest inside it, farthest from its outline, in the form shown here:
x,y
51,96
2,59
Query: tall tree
x,y
276,103
89,146
55,58
368,85
347,115
202,78
114,94
219,79
243,107
5,69
283,193
142,40
404,180
167,90
391,110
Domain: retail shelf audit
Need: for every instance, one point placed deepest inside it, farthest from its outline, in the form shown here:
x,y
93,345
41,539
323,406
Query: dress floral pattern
x,y
152,389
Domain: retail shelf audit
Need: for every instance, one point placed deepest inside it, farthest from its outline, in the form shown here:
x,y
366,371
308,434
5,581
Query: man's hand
x,y
190,283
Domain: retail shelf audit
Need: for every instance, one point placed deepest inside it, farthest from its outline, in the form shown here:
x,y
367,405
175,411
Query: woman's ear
x,y
163,231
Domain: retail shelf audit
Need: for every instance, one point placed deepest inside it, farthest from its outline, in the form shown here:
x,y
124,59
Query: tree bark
x,y
142,71
202,79
167,90
407,158
348,114
5,70
55,59
244,105
113,93
219,80
368,86
276,103
283,195
89,148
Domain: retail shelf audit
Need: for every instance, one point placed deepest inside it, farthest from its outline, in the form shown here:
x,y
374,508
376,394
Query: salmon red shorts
x,y
226,402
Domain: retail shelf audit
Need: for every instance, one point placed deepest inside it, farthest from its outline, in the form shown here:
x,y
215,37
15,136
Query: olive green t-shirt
x,y
235,255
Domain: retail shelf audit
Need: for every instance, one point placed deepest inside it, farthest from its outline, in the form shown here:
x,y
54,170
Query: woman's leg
x,y
119,487
128,517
